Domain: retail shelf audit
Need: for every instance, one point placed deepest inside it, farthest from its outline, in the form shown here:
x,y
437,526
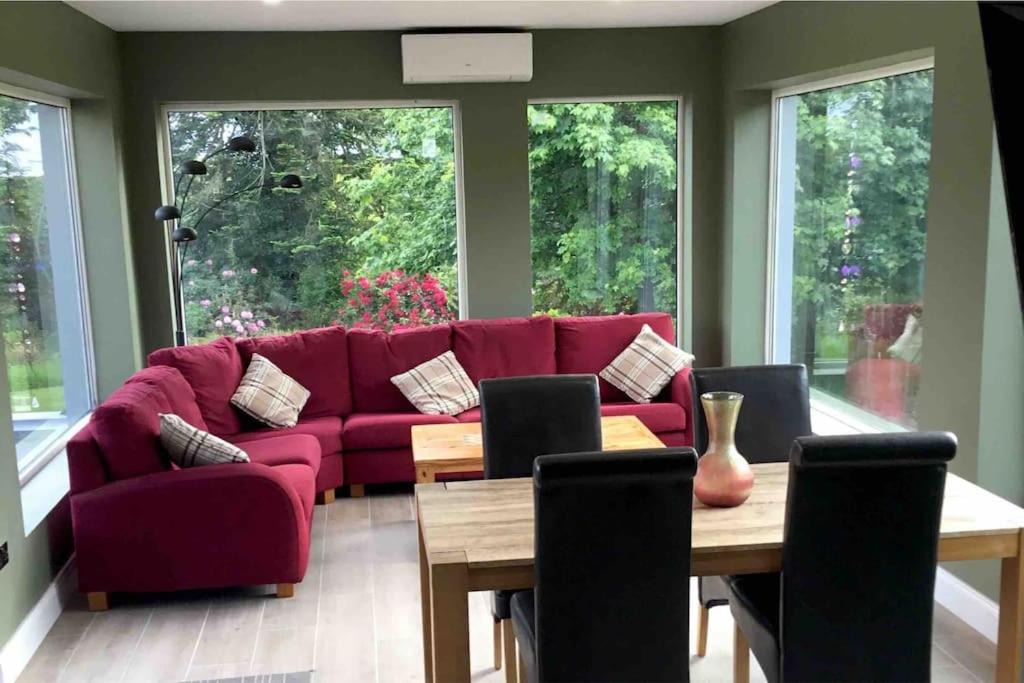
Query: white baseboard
x,y
16,652
972,607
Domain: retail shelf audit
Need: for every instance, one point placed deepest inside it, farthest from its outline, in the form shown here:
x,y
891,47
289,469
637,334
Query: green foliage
x,y
378,195
603,207
861,193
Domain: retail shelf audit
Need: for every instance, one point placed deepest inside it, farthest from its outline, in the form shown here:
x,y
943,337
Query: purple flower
x,y
227,319
853,221
855,161
14,238
205,303
260,324
225,309
246,315
850,271
254,270
227,274
209,262
217,323
252,327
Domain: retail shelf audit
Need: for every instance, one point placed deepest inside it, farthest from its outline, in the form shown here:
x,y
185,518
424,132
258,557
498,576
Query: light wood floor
x,y
356,617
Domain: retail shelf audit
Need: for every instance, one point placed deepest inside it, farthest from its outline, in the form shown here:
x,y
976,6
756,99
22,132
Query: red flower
x,y
364,283
367,318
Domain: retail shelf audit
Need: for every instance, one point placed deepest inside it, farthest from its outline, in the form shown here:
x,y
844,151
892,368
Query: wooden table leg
x,y
449,608
428,639
1011,617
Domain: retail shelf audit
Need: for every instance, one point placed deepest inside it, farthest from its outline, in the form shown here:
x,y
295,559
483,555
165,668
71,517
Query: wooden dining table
x,y
478,536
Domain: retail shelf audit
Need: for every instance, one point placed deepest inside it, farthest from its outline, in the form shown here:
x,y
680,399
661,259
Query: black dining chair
x,y
854,599
776,410
612,568
521,418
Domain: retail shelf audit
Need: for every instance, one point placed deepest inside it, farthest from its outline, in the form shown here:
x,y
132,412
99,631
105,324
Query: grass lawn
x,y
38,387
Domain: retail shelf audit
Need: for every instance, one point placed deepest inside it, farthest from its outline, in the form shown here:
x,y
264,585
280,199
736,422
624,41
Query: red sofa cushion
x,y
588,344
471,415
386,430
506,347
658,417
376,357
316,359
127,428
327,431
294,449
213,371
303,480
178,392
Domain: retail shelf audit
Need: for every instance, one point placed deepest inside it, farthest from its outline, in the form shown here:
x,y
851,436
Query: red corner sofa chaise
x,y
142,525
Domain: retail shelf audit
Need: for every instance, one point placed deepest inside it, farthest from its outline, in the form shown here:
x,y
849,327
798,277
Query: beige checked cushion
x,y
646,366
438,387
191,447
269,395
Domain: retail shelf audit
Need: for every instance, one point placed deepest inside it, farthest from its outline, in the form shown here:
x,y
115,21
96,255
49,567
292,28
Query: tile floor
x,y
355,618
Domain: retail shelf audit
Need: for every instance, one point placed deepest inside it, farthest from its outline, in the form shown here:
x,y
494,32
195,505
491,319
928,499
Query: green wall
x,y
361,66
972,368
51,48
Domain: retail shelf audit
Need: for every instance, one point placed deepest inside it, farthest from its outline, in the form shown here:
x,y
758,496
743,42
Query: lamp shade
x,y
167,213
184,235
290,181
242,143
193,167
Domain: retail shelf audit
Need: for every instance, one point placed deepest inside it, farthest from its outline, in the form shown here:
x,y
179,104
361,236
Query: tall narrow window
x,y
603,183
369,240
851,195
45,334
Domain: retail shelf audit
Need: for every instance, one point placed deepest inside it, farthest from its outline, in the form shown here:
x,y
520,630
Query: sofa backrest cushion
x,y
505,347
374,357
127,428
178,392
213,371
589,343
316,359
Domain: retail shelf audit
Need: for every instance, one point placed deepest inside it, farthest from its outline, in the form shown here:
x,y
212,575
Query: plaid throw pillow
x,y
269,395
646,366
438,387
191,447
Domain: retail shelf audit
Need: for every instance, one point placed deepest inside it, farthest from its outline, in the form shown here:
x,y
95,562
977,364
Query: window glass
x,y
852,192
603,182
45,339
369,240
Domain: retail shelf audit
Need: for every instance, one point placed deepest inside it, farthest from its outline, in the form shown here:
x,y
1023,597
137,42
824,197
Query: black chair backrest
x,y
776,408
858,562
612,564
523,417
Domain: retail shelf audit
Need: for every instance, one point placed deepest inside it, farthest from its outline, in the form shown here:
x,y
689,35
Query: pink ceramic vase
x,y
724,477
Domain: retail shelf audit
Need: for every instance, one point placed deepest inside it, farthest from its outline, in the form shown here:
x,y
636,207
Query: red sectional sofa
x,y
138,520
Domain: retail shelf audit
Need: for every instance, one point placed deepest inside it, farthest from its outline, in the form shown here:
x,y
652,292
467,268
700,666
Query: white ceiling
x,y
362,15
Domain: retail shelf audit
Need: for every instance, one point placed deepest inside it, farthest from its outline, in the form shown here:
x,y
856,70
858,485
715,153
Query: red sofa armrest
x,y
681,394
205,527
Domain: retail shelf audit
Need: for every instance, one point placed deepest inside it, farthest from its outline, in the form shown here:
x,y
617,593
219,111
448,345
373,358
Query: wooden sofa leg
x,y
98,602
510,660
356,490
325,497
285,590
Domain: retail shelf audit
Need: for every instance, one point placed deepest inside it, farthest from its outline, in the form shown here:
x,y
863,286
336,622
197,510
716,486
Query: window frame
x,y
683,314
832,416
167,172
47,452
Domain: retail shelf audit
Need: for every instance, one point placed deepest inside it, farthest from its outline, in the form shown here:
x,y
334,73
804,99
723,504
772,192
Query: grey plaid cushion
x,y
646,366
438,387
269,395
191,447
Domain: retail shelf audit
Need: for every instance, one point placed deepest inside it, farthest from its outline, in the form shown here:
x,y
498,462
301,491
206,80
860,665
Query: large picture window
x,y
370,240
46,341
851,182
603,206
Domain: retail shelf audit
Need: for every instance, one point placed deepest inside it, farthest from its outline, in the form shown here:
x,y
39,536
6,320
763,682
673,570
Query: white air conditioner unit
x,y
467,57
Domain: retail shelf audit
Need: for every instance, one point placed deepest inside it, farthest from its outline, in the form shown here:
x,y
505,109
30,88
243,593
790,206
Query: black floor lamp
x,y
173,215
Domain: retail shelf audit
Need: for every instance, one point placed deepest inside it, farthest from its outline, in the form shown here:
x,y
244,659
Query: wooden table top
x,y
460,444
488,525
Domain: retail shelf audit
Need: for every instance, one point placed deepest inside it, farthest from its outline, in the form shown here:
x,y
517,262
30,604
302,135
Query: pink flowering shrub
x,y
223,301
393,300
